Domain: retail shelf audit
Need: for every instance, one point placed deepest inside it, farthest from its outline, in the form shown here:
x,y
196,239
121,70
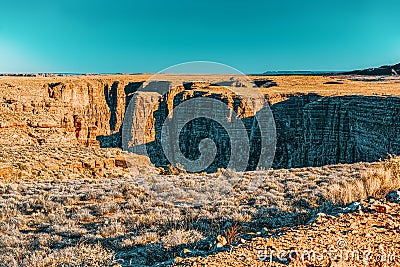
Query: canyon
x,y
319,120
72,193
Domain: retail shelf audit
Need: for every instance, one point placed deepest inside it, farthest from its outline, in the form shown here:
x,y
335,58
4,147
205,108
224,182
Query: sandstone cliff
x,y
317,122
73,111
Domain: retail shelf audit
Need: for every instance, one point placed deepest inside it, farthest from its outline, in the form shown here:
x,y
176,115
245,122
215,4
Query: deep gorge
x,y
311,130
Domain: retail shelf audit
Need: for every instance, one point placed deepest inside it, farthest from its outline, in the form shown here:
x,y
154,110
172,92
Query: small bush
x,y
231,234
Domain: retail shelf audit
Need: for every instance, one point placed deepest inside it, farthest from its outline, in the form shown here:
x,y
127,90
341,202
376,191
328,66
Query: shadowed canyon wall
x,y
312,130
315,131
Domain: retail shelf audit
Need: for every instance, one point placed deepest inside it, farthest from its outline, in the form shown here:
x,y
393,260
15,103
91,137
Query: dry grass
x,y
374,182
148,218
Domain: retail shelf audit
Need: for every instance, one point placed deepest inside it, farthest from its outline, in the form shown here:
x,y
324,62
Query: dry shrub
x,y
231,234
346,193
143,239
392,164
112,229
176,237
374,182
377,182
381,181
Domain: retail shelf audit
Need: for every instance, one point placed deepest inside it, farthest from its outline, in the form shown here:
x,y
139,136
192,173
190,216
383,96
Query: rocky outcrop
x,y
393,196
73,111
33,162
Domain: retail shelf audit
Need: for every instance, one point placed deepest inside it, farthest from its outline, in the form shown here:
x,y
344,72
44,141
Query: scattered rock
x,y
349,232
381,208
221,241
353,207
393,196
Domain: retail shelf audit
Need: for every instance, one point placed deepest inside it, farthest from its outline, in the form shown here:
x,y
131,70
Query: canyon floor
x,y
66,200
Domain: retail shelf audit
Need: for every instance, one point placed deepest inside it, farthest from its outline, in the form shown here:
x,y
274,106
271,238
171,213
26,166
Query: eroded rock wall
x,y
150,110
312,130
76,111
315,131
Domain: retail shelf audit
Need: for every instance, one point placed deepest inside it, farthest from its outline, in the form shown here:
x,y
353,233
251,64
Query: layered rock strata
x,y
313,127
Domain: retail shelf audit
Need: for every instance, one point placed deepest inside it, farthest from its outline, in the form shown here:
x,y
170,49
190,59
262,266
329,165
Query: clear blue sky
x,y
148,36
